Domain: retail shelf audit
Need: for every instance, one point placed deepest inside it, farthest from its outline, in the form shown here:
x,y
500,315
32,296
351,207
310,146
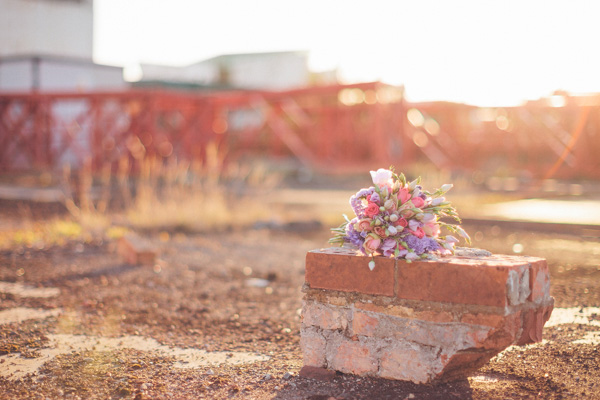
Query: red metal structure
x,y
339,127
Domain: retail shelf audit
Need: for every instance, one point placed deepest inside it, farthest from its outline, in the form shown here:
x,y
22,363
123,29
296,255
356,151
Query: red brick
x,y
364,324
353,358
533,324
492,320
324,316
406,312
459,281
135,250
504,334
408,363
539,280
459,365
341,269
313,348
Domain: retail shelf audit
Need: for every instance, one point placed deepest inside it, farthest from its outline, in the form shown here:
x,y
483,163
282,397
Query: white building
x,y
47,45
264,71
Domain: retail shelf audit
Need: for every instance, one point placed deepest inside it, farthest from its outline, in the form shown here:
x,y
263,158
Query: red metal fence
x,y
334,127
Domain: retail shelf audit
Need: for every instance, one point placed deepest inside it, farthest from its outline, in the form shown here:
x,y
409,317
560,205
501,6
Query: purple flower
x,y
352,236
357,199
413,224
375,197
422,245
388,247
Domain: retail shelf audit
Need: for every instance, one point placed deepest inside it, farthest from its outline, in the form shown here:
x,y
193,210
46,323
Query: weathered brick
x,y
408,362
324,316
407,312
352,357
478,318
460,364
136,251
341,269
533,324
482,282
539,280
313,346
517,286
446,319
364,324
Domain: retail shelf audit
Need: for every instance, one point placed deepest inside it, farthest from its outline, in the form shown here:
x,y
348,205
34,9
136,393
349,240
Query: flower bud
x,y
437,201
445,187
394,217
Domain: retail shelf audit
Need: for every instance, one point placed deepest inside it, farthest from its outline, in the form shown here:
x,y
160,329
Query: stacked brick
x,y
419,321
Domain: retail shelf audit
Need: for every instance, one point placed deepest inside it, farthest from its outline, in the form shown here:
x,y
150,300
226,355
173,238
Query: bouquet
x,y
396,218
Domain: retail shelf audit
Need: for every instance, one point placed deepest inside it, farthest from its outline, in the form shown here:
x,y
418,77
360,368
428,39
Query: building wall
x,y
270,71
56,74
56,27
261,71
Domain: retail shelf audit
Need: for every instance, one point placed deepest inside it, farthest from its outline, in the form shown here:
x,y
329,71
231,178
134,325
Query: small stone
x,y
210,372
287,376
267,377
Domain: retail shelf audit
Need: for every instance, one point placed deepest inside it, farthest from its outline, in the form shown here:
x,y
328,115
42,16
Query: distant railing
x,y
341,128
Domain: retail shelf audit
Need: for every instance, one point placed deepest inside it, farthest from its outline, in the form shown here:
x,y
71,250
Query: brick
x,y
364,324
459,365
427,333
539,281
446,319
533,324
460,281
517,286
482,319
341,269
408,362
313,346
352,357
136,251
317,373
324,316
407,312
504,334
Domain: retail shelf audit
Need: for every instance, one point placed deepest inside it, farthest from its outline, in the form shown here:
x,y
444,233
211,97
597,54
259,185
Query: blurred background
x,y
109,105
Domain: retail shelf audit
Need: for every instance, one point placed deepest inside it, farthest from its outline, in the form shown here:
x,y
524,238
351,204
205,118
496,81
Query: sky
x,y
486,53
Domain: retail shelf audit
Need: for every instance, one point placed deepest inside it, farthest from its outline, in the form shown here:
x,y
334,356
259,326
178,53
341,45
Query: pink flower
x,y
401,222
371,244
419,232
431,229
372,210
379,231
418,202
403,195
407,213
363,225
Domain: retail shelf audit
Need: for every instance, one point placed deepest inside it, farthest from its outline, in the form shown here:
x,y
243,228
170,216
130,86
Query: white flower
x,y
445,187
411,256
381,176
392,230
427,218
451,239
438,201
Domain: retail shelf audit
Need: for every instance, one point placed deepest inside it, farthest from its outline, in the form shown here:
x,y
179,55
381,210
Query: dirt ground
x,y
239,292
